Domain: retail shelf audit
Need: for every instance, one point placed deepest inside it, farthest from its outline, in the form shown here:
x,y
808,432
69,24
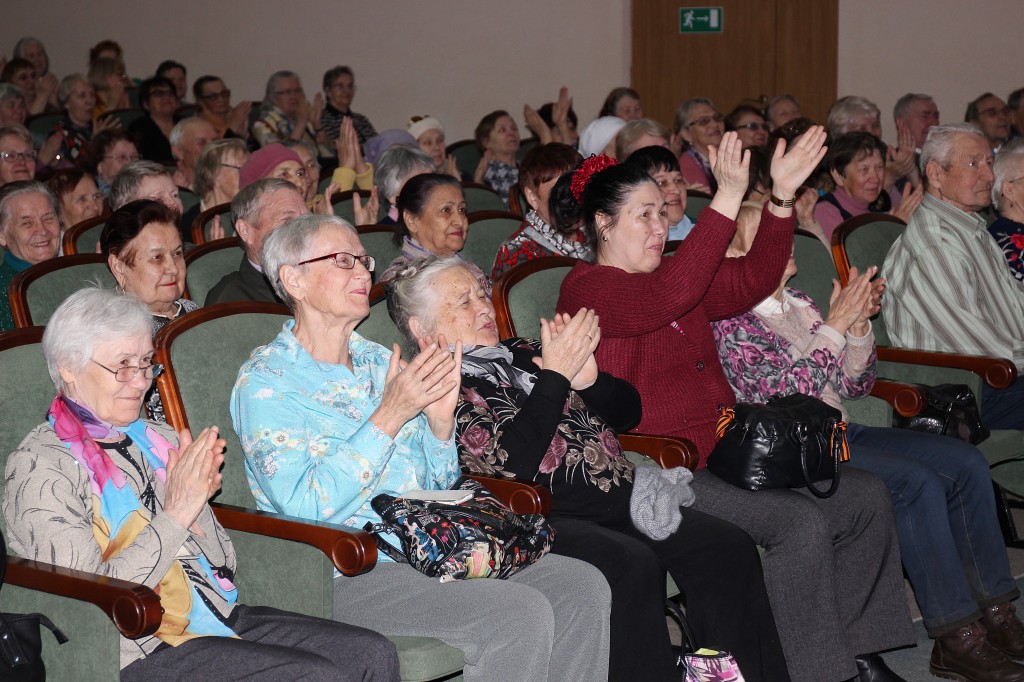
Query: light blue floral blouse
x,y
310,449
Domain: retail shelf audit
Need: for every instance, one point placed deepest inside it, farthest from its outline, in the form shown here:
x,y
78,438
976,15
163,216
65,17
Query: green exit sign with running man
x,y
700,19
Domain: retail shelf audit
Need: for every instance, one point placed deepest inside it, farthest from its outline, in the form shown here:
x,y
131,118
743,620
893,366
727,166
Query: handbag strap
x,y
839,449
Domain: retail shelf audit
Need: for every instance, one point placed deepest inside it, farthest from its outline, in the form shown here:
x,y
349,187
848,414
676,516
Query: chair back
x,y
36,292
862,241
202,353
378,240
695,203
378,326
528,292
488,230
41,125
517,201
203,223
467,156
188,199
207,263
26,389
814,269
343,205
125,116
525,146
186,111
481,198
83,237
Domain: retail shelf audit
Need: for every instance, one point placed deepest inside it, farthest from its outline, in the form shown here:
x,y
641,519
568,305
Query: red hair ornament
x,y
581,177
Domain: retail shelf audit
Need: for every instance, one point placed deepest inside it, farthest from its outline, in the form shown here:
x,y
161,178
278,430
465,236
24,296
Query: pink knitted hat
x,y
264,160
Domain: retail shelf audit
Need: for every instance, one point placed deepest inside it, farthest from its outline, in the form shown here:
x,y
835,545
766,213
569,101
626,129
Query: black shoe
x,y
872,668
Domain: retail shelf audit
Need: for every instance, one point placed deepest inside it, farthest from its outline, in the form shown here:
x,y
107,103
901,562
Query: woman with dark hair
x,y
109,152
537,237
624,103
159,99
831,566
497,137
749,124
856,163
143,249
663,166
431,222
78,197
177,74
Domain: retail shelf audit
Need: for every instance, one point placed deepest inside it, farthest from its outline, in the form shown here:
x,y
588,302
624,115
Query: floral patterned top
x,y
553,435
274,126
537,239
310,449
500,177
1009,235
780,348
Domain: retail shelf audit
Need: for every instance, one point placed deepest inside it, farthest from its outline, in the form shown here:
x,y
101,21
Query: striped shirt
x,y
949,288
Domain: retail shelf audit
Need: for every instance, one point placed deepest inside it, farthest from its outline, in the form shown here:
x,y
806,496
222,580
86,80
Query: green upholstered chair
x,y
41,125
196,389
378,326
481,198
343,205
467,156
125,116
207,263
85,606
527,292
84,237
695,203
188,199
379,242
525,146
36,292
488,230
517,201
204,222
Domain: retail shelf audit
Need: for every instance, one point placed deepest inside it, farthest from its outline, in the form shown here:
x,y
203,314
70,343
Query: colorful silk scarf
x,y
119,516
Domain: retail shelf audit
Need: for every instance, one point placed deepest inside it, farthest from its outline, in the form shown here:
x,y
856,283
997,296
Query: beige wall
x,y
455,59
949,49
459,59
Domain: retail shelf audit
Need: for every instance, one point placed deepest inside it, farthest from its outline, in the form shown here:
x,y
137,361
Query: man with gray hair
x,y
259,209
915,114
992,116
187,138
29,233
949,287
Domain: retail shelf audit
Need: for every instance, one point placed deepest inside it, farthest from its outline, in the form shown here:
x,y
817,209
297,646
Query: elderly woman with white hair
x,y
69,141
94,488
394,168
701,127
328,419
1008,199
29,234
429,134
286,113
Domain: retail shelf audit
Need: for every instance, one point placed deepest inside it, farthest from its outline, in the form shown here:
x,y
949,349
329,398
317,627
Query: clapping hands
x,y
568,344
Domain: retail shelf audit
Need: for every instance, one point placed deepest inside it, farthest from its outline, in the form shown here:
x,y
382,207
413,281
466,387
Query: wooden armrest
x,y
351,551
133,608
907,400
666,451
521,497
996,372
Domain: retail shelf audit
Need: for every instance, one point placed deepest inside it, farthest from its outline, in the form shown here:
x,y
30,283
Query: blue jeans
x,y
950,541
1003,408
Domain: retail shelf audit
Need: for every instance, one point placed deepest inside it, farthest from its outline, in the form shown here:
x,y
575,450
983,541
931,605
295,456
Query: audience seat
x,y
343,206
378,240
188,198
467,156
488,230
84,237
69,597
378,326
203,223
208,263
36,292
41,125
527,292
695,203
126,116
481,198
517,201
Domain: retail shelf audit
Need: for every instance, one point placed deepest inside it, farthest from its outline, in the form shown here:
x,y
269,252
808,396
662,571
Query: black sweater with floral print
x,y
555,436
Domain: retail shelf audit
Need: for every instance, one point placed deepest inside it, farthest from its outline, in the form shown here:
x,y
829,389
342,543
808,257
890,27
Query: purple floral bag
x,y
478,538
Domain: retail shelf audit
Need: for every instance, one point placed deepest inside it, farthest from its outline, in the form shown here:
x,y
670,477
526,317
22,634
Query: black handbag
x,y
791,441
21,645
949,410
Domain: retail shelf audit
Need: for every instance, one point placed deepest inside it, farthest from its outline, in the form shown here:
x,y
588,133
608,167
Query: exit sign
x,y
700,19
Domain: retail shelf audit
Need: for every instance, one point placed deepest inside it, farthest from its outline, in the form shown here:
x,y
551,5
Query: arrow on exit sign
x,y
700,19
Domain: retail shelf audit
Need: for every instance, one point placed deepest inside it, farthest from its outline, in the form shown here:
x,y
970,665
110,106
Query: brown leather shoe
x,y
967,656
1005,631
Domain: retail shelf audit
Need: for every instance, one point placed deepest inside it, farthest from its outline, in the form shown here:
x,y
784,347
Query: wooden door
x,y
766,48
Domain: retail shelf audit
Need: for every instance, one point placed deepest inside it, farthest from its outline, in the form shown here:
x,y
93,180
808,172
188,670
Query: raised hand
x,y
450,167
106,123
909,202
440,413
536,124
731,167
568,345
481,168
193,475
346,154
366,215
410,387
790,167
216,230
850,307
316,108
238,118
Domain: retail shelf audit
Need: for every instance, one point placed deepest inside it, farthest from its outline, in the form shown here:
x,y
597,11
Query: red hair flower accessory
x,y
587,169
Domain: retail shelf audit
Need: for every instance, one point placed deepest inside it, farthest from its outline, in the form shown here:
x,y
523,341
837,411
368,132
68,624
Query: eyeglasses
x,y
290,91
162,92
343,86
755,126
345,261
126,374
705,120
11,157
223,94
123,158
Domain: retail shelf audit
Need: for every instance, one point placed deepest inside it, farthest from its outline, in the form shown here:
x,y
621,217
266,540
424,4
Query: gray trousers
x,y
832,568
274,646
550,621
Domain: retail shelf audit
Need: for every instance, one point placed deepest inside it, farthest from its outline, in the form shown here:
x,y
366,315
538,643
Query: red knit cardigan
x,y
656,327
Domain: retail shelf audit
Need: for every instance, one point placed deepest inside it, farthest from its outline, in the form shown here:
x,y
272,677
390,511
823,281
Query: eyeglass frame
x,y
210,96
14,157
706,120
362,259
155,368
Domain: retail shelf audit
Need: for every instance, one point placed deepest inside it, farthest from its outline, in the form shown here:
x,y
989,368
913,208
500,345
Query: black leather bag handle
x,y
836,447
